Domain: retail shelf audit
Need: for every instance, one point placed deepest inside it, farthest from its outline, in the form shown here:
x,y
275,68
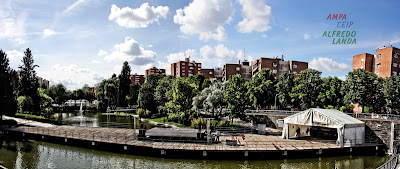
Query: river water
x,y
35,154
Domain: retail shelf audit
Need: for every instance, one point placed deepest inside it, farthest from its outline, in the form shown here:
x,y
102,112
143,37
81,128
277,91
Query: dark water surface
x,y
34,154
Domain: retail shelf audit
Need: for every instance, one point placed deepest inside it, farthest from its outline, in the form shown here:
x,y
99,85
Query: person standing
x,y
218,134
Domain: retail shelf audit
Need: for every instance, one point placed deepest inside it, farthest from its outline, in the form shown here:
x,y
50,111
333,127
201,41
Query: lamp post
x,y
276,95
134,117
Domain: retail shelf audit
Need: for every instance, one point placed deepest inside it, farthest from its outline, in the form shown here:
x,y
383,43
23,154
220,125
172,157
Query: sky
x,y
77,42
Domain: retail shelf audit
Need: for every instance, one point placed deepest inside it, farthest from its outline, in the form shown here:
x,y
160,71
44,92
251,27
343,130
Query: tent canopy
x,y
349,129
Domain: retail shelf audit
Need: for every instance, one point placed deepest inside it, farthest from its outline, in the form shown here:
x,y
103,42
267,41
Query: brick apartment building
x,y
242,68
384,63
185,68
278,66
212,73
137,79
154,70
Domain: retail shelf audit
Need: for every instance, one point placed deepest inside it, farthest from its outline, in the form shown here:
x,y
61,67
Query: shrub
x,y
143,112
347,109
196,121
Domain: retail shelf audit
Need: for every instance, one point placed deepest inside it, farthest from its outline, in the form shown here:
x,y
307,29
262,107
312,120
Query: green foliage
x,y
392,94
330,94
196,122
306,90
284,88
108,92
8,86
347,108
124,84
29,84
163,93
181,102
236,96
133,94
143,112
24,103
58,93
261,89
362,87
211,98
147,98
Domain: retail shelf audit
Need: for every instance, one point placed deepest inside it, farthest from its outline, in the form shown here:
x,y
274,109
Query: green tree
x,y
147,98
25,103
58,93
181,102
392,94
331,93
163,92
308,85
108,93
261,89
45,102
359,87
8,87
236,96
284,88
124,84
211,98
133,95
29,84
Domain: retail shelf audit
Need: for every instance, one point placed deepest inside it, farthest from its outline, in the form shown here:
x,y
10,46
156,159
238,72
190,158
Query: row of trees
x,y
21,91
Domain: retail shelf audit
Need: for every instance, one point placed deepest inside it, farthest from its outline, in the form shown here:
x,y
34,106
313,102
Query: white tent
x,y
350,131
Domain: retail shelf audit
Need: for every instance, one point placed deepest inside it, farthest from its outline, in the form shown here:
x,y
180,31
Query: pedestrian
x,y
218,134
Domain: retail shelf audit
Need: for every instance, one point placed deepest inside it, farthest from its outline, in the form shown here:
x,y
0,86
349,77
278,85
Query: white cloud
x,y
11,25
131,51
220,55
328,65
14,55
75,5
306,36
139,17
256,16
264,36
95,61
48,33
175,57
220,35
205,17
102,53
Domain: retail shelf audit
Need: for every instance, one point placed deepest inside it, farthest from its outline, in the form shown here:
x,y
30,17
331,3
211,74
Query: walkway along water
x,y
251,146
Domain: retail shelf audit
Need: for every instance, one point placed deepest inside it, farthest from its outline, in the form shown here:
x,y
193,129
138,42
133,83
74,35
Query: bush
x,y
329,107
347,109
143,112
92,107
196,121
25,103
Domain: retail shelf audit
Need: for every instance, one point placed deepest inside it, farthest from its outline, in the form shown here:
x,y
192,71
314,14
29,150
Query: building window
x,y
183,70
377,74
210,73
199,69
294,66
183,63
237,68
396,55
379,56
362,60
394,73
294,72
362,67
274,71
274,64
394,64
378,65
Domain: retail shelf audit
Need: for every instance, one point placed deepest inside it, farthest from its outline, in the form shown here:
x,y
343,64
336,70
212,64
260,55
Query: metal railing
x,y
274,112
391,164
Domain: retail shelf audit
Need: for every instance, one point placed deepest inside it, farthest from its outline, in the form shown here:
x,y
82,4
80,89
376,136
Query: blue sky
x,y
77,42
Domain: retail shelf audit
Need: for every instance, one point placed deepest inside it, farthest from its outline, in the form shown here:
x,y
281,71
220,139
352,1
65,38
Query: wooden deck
x,y
251,142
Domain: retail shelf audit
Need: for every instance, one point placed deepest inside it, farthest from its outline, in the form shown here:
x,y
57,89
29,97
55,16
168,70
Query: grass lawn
x,y
161,120
31,116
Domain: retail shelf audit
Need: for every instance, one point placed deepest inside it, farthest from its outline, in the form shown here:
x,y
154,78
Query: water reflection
x,y
46,155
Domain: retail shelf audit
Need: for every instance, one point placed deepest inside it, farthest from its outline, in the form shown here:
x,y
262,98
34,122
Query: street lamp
x,y
276,95
134,117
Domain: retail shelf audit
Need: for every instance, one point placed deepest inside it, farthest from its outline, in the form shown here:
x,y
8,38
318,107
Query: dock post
x,y
285,153
204,153
246,153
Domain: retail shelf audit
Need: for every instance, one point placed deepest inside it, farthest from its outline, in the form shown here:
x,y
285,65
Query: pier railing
x,y
391,164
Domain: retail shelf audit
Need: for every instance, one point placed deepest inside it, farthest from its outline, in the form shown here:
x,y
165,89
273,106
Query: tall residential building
x,y
185,68
42,82
278,66
242,68
137,79
154,70
208,73
384,63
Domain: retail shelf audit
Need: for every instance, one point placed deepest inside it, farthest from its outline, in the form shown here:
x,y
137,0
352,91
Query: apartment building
x,y
154,70
137,79
43,82
384,63
242,68
278,66
185,68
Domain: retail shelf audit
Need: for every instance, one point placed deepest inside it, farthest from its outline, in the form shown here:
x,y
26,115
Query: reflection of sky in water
x,y
46,155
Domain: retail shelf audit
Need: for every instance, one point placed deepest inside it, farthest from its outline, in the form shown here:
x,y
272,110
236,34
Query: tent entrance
x,y
323,133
